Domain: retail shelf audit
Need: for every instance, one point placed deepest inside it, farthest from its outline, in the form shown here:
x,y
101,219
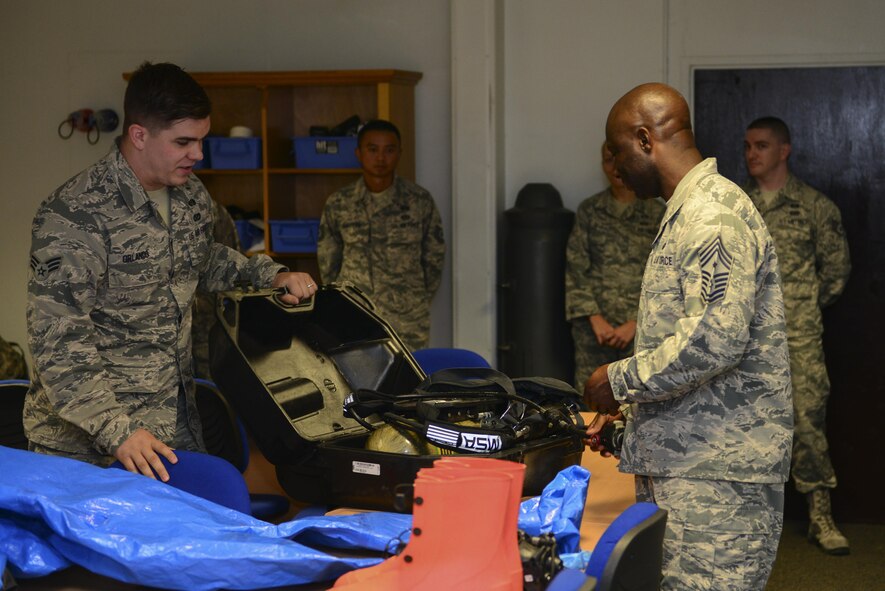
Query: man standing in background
x,y
384,234
814,263
605,257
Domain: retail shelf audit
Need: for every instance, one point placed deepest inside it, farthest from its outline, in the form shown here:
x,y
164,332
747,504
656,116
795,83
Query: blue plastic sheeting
x,y
559,509
56,511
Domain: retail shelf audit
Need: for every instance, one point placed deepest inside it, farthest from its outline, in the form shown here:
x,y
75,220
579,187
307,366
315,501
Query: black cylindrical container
x,y
534,336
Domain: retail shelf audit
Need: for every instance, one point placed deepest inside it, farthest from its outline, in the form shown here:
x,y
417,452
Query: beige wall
x,y
558,66
58,56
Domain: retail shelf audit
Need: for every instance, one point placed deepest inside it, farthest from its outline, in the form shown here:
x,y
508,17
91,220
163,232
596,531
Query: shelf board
x,y
314,170
231,171
292,255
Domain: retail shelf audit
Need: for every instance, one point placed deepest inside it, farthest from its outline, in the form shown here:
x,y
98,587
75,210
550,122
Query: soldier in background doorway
x,y
814,265
605,257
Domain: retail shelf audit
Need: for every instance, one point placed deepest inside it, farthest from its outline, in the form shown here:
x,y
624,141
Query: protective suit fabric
x,y
559,509
55,512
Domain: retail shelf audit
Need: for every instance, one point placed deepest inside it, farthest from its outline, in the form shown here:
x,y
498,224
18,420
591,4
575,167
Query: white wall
x,y
56,57
567,62
561,65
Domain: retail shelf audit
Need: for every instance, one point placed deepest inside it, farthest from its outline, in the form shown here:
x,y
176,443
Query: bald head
x,y
656,107
649,133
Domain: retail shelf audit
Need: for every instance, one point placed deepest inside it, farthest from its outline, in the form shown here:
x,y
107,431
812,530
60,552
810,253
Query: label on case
x,y
366,468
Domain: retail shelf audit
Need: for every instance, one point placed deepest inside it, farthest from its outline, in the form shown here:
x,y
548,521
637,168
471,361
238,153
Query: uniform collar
x,y
391,194
686,186
130,187
133,192
784,194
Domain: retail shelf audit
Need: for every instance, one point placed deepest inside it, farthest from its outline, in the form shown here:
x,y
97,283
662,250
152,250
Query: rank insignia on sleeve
x,y
42,269
715,271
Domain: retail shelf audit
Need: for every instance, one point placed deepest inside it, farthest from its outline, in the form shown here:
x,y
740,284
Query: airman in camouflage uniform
x,y
814,263
710,430
112,286
606,252
225,232
384,234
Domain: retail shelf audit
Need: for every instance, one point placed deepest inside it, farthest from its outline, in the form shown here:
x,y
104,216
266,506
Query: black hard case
x,y
287,370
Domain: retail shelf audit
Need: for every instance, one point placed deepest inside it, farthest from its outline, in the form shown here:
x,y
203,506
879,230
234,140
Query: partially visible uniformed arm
x,y
832,260
580,299
708,319
433,248
330,245
225,267
67,264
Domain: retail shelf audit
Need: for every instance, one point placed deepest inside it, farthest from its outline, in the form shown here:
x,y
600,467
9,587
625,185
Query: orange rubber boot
x,y
458,539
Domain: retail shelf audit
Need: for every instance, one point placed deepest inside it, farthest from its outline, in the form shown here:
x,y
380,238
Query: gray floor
x,y
801,566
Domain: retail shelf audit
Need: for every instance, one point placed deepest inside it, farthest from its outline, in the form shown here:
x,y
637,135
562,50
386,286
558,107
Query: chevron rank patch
x,y
42,269
715,271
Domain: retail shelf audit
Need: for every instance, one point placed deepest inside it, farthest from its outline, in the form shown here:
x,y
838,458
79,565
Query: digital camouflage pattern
x,y
224,231
606,253
812,252
109,308
720,535
814,262
709,382
393,250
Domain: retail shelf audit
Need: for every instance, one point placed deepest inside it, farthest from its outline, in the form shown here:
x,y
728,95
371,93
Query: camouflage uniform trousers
x,y
589,354
184,439
811,465
720,535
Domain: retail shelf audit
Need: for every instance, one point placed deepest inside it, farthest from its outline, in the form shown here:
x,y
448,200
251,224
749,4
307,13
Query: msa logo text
x,y
478,442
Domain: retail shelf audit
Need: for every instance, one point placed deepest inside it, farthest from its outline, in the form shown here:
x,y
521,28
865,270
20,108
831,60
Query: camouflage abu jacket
x,y
606,254
812,252
393,250
710,380
109,307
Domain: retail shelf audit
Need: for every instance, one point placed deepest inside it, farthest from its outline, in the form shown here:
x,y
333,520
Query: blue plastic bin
x,y
235,152
294,235
325,152
248,233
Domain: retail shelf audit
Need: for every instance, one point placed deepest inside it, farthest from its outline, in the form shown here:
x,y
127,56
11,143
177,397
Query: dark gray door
x,y
837,121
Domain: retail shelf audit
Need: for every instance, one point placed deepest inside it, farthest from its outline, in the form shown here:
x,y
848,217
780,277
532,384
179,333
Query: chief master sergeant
x,y
383,234
708,387
814,262
117,254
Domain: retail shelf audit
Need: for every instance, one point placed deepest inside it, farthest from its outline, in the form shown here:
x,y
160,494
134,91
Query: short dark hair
x,y
775,125
158,95
377,125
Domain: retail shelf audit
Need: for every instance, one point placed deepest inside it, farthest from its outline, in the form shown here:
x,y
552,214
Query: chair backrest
x,y
630,553
12,402
435,359
225,437
222,432
209,477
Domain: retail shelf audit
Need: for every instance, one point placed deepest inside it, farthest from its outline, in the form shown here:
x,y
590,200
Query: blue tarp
x,y
55,512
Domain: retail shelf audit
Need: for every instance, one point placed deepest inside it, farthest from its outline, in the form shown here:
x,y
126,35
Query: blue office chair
x,y
207,476
628,556
225,437
435,359
12,401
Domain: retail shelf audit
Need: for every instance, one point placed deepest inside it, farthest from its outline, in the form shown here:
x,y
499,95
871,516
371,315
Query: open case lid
x,y
288,369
